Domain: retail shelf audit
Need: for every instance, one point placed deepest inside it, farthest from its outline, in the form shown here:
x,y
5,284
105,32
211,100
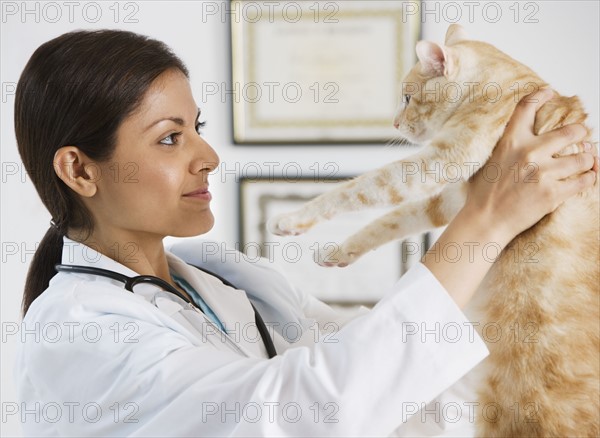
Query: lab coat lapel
x,y
75,253
231,306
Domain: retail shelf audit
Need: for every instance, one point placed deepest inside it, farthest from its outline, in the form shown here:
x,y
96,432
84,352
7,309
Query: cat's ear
x,y
455,34
433,58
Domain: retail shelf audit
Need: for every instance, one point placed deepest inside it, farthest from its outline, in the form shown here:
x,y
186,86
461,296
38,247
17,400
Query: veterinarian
x,y
178,352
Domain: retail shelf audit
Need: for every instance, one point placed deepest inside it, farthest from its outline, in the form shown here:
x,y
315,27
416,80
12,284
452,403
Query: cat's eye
x,y
406,99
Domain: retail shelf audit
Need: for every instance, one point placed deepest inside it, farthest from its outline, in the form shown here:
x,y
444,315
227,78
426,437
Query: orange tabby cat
x,y
543,291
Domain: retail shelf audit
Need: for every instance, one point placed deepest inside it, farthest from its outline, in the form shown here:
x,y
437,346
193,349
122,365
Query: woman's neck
x,y
142,253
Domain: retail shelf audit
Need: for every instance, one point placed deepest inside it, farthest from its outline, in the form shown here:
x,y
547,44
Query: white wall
x,y
562,46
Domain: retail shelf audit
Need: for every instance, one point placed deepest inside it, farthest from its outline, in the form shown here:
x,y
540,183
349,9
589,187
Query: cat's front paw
x,y
332,254
287,224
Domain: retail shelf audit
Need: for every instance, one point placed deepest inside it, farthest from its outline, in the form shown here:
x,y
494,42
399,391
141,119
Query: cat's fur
x,y
543,291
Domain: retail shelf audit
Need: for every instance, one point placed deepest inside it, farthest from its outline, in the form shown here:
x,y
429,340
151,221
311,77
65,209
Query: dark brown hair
x,y
76,90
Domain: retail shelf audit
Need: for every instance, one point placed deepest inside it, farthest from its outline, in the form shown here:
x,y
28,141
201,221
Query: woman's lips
x,y
202,194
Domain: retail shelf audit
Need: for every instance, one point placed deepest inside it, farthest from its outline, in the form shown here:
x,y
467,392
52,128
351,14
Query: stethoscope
x,y
130,282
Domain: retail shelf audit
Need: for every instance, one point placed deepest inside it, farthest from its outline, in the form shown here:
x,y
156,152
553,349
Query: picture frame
x,y
304,74
362,283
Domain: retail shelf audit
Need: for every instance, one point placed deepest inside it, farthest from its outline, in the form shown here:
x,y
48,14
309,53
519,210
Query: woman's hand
x,y
524,180
527,183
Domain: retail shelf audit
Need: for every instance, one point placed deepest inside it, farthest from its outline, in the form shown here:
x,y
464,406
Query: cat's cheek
x,y
410,135
405,133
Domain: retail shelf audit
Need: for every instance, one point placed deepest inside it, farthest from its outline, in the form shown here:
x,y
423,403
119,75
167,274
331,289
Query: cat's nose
x,y
396,124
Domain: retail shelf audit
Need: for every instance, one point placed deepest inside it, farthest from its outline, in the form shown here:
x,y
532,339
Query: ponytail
x,y
41,269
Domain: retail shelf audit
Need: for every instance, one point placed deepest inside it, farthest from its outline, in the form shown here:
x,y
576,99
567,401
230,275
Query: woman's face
x,y
157,181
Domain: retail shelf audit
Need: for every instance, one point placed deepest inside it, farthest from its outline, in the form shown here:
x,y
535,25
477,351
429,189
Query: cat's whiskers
x,y
398,141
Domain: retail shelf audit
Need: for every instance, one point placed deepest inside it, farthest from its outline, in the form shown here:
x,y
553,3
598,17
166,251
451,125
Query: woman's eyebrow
x,y
177,120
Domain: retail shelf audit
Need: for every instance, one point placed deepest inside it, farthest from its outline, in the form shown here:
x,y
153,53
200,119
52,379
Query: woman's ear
x,y
76,170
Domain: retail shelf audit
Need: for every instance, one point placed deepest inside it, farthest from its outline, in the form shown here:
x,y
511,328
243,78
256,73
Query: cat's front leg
x,y
419,176
412,218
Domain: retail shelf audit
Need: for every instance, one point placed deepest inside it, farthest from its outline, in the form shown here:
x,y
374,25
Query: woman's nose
x,y
205,158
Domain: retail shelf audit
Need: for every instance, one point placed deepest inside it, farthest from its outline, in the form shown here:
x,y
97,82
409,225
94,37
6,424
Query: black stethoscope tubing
x,y
130,282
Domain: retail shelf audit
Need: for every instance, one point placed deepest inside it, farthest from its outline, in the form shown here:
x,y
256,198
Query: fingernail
x,y
587,146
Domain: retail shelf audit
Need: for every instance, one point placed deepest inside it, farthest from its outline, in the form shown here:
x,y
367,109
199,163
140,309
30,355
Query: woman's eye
x,y
406,99
199,126
171,138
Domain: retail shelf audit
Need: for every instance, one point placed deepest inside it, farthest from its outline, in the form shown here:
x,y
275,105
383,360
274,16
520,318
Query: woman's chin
x,y
195,229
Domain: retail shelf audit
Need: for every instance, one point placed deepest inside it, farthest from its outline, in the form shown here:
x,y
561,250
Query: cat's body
x,y
542,293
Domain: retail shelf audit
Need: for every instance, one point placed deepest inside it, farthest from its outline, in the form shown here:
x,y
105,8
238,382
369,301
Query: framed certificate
x,y
361,283
319,72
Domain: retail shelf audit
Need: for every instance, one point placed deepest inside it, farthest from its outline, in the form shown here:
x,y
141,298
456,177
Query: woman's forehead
x,y
168,97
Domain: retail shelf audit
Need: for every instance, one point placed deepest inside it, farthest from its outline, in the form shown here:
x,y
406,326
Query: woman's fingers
x,y
570,165
572,186
556,140
523,117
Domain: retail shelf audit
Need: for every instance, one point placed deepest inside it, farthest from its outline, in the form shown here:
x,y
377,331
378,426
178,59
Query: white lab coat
x,y
107,362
